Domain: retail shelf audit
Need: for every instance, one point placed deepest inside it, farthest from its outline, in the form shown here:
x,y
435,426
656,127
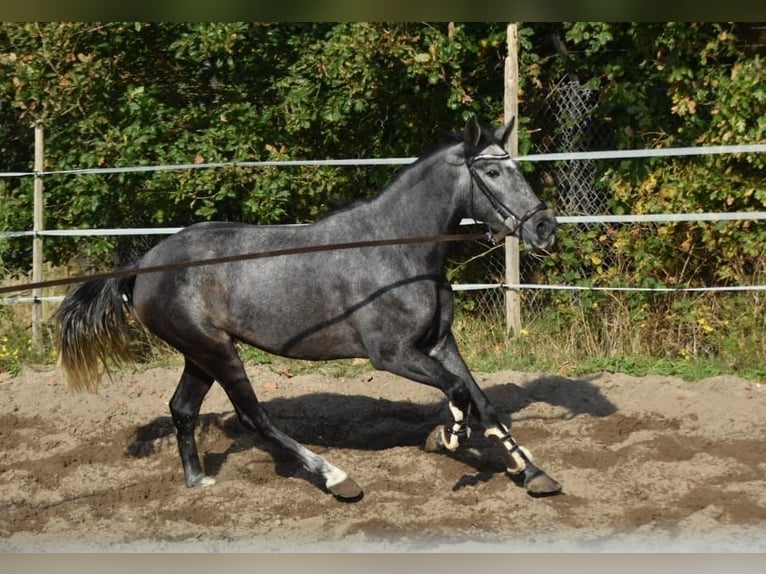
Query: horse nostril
x,y
546,227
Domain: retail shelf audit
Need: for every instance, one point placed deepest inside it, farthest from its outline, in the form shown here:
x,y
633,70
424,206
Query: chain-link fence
x,y
565,122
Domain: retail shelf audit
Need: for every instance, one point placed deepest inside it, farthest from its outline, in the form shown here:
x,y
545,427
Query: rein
x,y
130,271
513,224
505,212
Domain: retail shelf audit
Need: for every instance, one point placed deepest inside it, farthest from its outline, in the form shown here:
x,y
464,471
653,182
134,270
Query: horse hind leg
x,y
228,370
336,480
184,409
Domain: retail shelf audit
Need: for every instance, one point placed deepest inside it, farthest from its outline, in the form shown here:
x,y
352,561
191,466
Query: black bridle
x,y
506,213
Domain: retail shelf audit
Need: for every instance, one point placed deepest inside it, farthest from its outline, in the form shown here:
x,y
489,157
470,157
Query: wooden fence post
x,y
38,225
511,109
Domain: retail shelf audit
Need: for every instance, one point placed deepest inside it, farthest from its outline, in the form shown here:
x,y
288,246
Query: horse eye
x,y
493,173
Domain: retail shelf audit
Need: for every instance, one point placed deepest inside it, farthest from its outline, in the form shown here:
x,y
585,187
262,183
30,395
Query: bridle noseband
x,y
506,213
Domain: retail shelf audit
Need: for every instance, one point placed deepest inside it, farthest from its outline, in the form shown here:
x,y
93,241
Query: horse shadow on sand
x,y
329,420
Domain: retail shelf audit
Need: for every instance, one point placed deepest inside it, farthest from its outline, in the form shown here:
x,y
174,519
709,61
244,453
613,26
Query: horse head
x,y
500,195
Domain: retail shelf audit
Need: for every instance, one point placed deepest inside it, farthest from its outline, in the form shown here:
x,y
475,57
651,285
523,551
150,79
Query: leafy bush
x,y
123,94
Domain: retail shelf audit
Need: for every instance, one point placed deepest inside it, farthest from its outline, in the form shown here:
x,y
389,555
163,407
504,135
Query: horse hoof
x,y
540,484
202,480
434,441
347,491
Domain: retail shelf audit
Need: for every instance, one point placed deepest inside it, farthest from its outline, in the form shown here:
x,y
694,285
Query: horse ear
x,y
504,132
472,132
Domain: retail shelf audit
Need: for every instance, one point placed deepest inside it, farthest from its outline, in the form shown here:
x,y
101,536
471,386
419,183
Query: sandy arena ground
x,y
647,464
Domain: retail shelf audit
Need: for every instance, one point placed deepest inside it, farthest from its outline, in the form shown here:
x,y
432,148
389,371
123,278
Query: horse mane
x,y
336,206
340,205
448,139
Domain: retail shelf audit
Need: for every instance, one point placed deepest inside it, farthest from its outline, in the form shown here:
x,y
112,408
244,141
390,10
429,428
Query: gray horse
x,y
390,303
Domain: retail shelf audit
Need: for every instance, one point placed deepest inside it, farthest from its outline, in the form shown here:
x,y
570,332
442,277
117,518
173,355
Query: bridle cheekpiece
x,y
512,222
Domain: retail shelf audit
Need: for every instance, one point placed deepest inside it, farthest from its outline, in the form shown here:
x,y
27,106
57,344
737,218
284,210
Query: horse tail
x,y
92,330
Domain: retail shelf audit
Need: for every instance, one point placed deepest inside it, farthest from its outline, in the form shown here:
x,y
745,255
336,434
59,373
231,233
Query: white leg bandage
x,y
514,460
451,435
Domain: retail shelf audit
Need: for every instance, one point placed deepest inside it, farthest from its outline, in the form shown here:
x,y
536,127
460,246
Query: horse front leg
x,y
517,458
449,436
518,462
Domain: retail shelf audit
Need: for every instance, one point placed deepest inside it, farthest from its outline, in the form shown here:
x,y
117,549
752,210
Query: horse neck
x,y
423,200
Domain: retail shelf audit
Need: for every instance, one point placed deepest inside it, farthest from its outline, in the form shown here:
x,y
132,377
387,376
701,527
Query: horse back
x,y
316,305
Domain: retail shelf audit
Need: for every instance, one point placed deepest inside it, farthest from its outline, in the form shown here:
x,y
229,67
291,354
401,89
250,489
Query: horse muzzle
x,y
538,231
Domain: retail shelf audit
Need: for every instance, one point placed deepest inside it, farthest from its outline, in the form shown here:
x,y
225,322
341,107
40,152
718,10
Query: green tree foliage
x,y
125,94
664,85
673,85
